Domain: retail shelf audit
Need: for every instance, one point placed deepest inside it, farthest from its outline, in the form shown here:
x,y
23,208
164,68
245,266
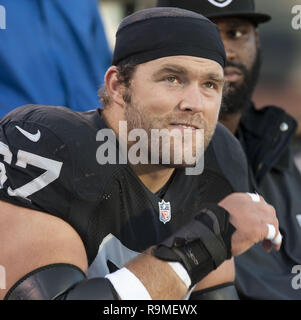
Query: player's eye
x,y
235,33
210,85
171,79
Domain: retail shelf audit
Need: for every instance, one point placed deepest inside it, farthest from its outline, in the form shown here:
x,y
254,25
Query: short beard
x,y
237,98
136,119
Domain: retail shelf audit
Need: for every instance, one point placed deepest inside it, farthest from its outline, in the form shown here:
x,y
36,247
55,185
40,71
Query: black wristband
x,y
226,229
201,245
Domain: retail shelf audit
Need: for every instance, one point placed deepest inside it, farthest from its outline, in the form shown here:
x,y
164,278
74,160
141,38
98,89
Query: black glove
x,y
201,245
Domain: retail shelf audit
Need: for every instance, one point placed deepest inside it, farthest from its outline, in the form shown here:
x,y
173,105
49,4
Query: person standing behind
x,y
266,136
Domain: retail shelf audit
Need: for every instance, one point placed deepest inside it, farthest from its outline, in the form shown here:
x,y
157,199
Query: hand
x,y
251,221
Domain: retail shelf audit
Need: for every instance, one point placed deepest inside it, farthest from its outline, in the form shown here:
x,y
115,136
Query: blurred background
x,y
280,81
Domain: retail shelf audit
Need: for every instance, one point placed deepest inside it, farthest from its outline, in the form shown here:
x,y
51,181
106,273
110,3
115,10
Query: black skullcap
x,y
161,32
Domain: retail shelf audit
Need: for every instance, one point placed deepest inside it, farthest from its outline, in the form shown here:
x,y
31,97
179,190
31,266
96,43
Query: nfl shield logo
x,y
165,211
220,3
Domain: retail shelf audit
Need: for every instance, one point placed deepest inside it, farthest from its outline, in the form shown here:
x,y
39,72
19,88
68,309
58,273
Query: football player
x,y
73,226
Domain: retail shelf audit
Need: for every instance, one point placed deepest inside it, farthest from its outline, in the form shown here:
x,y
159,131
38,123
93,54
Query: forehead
x,y
186,64
233,22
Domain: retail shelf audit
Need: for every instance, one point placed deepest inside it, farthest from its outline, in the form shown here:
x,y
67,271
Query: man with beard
x,y
141,236
265,135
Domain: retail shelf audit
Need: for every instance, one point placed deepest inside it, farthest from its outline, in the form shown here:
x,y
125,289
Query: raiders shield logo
x,y
220,3
164,211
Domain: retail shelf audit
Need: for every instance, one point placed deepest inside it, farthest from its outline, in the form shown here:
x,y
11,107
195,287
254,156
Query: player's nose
x,y
229,49
192,99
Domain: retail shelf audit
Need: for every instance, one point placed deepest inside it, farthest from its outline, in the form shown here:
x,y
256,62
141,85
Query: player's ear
x,y
114,87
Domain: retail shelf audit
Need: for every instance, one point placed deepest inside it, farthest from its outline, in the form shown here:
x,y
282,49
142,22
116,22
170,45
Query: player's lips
x,y
233,74
185,126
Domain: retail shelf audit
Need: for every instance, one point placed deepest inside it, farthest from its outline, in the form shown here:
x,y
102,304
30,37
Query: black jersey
x,y
48,163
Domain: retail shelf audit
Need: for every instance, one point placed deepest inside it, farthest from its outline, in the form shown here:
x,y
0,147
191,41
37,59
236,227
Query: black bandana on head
x,y
161,32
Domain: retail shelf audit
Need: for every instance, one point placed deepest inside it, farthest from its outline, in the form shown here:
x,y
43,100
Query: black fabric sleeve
x,y
60,282
36,167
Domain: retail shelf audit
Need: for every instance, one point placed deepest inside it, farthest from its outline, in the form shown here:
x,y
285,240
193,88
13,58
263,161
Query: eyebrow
x,y
216,77
237,24
170,68
233,23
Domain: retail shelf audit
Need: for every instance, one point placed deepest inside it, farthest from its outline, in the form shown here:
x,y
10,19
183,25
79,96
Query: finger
x,y
277,240
271,234
262,199
254,196
273,237
267,245
276,247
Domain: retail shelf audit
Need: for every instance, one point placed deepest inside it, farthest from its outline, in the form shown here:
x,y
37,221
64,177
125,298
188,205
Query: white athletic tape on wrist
x,y
128,286
278,239
254,196
271,233
181,272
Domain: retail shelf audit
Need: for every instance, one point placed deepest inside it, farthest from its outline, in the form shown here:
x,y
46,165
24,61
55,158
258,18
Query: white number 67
x,y
52,167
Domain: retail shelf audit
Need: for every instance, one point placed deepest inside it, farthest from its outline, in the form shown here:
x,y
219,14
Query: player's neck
x,y
231,121
153,177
